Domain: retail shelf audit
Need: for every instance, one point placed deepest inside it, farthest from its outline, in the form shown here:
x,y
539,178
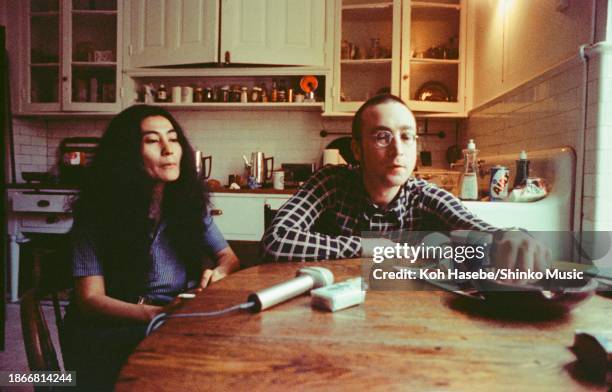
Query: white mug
x,y
278,179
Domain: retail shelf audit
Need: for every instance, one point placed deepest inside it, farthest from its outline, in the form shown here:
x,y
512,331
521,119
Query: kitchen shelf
x,y
416,60
373,6
44,65
303,106
92,64
418,115
427,4
44,14
225,71
94,12
366,61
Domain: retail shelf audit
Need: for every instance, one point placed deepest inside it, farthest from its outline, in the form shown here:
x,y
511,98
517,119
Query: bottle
x,y
161,94
264,93
274,92
244,94
469,183
522,170
282,94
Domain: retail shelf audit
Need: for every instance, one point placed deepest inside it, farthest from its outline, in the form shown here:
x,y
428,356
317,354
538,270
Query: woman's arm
x,y
92,301
227,262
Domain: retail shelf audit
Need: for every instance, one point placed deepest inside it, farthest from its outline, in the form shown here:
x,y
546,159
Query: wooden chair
x,y
50,277
39,347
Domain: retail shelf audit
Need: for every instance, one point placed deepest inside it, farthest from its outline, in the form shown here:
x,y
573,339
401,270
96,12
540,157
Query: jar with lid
x,y
161,94
235,93
198,95
264,93
244,94
208,95
282,93
225,94
374,52
256,94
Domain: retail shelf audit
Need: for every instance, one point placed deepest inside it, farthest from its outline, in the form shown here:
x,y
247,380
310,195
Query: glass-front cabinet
x,y
71,54
368,51
414,49
433,61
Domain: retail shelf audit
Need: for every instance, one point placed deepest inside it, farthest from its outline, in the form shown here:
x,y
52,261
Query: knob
x,y
65,79
227,57
216,212
405,76
43,203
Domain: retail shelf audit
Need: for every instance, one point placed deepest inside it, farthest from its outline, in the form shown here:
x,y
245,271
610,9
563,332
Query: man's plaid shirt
x,y
325,218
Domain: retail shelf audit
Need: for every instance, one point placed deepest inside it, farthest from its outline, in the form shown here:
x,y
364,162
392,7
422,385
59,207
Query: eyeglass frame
x,y
413,137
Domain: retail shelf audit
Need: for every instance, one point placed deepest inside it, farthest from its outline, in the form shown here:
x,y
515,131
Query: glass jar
x,y
374,52
198,95
244,94
225,94
256,94
208,95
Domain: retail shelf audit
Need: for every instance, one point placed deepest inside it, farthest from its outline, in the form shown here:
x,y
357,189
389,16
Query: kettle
x,y
202,167
257,167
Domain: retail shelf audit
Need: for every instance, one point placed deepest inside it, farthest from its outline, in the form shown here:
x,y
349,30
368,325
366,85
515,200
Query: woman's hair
x,y
113,205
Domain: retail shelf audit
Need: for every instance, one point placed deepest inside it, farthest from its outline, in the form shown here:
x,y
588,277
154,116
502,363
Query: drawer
x,y
46,223
34,202
239,218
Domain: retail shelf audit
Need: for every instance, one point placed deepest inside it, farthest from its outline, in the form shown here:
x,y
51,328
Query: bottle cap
x,y
471,145
523,155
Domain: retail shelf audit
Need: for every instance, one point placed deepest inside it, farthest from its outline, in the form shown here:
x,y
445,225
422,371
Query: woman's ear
x,y
356,149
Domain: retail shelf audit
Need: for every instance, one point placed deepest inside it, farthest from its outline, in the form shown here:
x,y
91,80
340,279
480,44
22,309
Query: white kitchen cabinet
x,y
240,216
276,32
413,49
70,56
172,32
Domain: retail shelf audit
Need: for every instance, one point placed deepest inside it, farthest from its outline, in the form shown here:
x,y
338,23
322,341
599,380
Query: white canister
x,y
187,94
176,94
278,179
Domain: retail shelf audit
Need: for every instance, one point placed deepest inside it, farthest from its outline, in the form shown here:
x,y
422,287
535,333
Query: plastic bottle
x,y
522,170
469,183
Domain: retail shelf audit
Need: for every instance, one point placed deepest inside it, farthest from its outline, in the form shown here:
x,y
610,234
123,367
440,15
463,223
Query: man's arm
x,y
290,236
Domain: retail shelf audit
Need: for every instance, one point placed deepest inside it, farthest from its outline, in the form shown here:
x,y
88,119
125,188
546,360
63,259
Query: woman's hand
x,y
227,262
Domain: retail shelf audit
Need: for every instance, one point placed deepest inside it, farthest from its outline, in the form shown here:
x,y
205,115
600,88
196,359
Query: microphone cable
x,y
161,318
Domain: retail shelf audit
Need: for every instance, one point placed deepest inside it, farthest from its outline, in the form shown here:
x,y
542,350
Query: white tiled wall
x,y
290,137
548,112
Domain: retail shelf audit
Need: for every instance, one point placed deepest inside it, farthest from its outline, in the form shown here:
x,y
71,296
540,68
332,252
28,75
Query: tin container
x,y
498,186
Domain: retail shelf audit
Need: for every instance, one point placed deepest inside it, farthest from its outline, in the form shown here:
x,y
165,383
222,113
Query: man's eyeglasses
x,y
384,138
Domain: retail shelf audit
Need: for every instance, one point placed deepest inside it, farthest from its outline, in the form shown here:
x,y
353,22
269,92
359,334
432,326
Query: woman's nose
x,y
167,148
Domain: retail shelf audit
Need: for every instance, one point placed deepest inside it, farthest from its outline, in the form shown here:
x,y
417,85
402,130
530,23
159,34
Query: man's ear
x,y
356,149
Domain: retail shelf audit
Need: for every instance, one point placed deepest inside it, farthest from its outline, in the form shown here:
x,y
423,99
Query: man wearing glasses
x,y
325,218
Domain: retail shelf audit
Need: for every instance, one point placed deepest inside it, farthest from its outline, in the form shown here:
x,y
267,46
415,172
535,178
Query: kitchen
x,y
517,82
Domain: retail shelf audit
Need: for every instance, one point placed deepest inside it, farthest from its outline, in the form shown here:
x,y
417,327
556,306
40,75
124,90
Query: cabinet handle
x,y
52,219
65,79
227,57
43,203
405,77
216,212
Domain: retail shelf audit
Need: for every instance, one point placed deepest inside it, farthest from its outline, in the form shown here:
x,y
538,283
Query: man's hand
x,y
518,250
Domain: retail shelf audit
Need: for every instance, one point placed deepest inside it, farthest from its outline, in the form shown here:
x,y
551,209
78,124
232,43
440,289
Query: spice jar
x,y
225,94
198,95
264,93
256,94
208,94
235,93
244,94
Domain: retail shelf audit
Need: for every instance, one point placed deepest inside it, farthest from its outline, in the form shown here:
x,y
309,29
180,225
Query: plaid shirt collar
x,y
396,208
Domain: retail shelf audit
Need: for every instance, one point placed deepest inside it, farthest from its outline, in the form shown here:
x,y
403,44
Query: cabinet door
x,y
172,32
279,32
239,218
90,55
367,54
42,48
433,55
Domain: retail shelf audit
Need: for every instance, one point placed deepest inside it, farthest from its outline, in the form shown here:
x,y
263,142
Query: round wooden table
x,y
396,340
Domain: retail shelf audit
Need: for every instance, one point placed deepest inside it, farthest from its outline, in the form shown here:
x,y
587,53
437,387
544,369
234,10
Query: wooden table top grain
x,y
396,340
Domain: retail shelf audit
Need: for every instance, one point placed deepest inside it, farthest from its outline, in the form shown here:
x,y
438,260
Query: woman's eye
x,y
151,141
174,140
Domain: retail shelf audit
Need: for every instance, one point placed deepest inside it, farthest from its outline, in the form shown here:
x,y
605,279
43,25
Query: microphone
x,y
305,280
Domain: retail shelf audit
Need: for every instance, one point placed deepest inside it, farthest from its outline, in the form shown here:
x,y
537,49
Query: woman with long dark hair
x,y
141,236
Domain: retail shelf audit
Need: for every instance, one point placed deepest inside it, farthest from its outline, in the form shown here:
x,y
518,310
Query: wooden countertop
x,y
396,340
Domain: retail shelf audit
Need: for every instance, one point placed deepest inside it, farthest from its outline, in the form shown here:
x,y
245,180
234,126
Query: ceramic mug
x,y
278,180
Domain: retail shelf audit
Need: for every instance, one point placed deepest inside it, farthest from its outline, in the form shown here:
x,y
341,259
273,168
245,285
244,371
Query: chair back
x,y
39,347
